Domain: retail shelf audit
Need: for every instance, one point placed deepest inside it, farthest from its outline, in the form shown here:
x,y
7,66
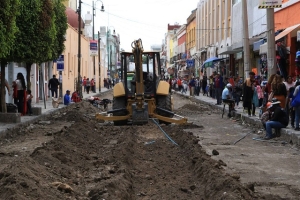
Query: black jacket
x,y
280,115
53,83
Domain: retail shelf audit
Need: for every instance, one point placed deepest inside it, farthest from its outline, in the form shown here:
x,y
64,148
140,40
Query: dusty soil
x,y
72,156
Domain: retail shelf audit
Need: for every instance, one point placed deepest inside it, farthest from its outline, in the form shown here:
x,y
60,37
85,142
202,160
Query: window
x,y
235,1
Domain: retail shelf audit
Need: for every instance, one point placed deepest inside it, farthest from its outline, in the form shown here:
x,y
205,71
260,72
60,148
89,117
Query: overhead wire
x,y
123,17
233,32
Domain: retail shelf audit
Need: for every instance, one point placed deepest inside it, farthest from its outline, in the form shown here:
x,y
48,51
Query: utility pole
x,y
110,54
78,87
272,69
246,39
107,50
94,60
99,60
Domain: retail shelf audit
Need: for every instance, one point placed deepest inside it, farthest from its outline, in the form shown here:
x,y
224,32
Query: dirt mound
x,y
75,157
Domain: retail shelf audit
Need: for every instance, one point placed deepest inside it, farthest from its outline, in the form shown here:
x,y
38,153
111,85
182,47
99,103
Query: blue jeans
x,y
219,95
297,116
272,124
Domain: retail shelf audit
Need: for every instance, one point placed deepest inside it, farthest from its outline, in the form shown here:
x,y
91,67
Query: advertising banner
x,y
93,47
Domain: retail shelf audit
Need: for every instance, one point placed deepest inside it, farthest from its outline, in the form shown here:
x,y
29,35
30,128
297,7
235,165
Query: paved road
x,y
46,108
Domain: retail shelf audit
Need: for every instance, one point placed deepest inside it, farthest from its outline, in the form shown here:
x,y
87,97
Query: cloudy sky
x,y
145,19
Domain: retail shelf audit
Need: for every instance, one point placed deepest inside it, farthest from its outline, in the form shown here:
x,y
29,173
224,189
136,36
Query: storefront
x,y
239,64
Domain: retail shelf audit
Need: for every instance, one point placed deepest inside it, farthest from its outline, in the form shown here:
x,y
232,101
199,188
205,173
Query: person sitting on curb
x,y
266,115
227,98
67,98
75,97
279,119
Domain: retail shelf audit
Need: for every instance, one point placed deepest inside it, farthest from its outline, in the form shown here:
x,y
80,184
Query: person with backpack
x,y
279,119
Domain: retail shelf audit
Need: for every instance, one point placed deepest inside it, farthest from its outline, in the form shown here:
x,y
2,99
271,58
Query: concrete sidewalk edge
x,y
287,134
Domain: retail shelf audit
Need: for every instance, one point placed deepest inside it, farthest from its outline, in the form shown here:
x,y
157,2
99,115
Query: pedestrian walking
x,y
204,84
93,85
219,85
5,85
53,86
19,96
84,83
88,85
29,101
248,92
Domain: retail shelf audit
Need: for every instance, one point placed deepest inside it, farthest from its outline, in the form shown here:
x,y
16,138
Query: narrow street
x,y
70,155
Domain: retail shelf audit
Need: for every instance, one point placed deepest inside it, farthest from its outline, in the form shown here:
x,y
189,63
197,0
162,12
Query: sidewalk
x,y
288,134
45,110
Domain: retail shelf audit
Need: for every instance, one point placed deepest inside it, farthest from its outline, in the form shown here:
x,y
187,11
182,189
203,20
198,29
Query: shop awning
x,y
210,62
256,45
228,50
286,31
263,49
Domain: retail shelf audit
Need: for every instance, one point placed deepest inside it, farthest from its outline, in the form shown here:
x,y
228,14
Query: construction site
x,y
69,154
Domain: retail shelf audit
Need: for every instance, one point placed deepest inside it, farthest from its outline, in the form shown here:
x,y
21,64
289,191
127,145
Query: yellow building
x,y
70,72
191,44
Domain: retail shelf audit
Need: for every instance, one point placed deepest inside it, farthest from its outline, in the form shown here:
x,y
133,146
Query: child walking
x,y
29,99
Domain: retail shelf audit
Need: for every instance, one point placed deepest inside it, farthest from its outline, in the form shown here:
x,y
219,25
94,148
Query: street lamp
x,y
99,60
94,14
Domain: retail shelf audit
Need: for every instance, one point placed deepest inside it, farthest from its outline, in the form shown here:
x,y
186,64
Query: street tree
x,y
9,10
35,40
60,21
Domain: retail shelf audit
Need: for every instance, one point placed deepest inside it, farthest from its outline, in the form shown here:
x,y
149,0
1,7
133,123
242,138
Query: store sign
x,y
93,47
263,4
239,55
60,63
190,63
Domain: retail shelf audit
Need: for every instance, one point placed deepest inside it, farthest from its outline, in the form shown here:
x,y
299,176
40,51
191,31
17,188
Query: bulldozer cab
x,y
147,76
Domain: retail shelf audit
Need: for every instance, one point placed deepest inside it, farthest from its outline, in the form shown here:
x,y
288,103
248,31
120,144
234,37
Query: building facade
x,y
213,19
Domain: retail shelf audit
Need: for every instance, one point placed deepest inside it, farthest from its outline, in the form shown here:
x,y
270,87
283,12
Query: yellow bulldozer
x,y
141,94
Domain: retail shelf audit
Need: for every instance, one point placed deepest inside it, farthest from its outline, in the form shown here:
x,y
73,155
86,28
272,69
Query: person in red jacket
x,y
93,85
179,83
75,97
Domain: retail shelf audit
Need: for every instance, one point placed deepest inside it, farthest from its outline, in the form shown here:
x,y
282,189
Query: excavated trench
x,y
70,155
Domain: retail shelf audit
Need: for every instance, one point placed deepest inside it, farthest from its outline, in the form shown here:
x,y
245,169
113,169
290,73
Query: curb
x,y
16,130
287,134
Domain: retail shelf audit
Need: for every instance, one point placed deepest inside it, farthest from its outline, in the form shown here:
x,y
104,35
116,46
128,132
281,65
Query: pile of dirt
x,y
76,157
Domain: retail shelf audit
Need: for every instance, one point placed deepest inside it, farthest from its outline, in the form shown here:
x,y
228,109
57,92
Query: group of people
x,y
70,99
273,96
21,95
88,85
